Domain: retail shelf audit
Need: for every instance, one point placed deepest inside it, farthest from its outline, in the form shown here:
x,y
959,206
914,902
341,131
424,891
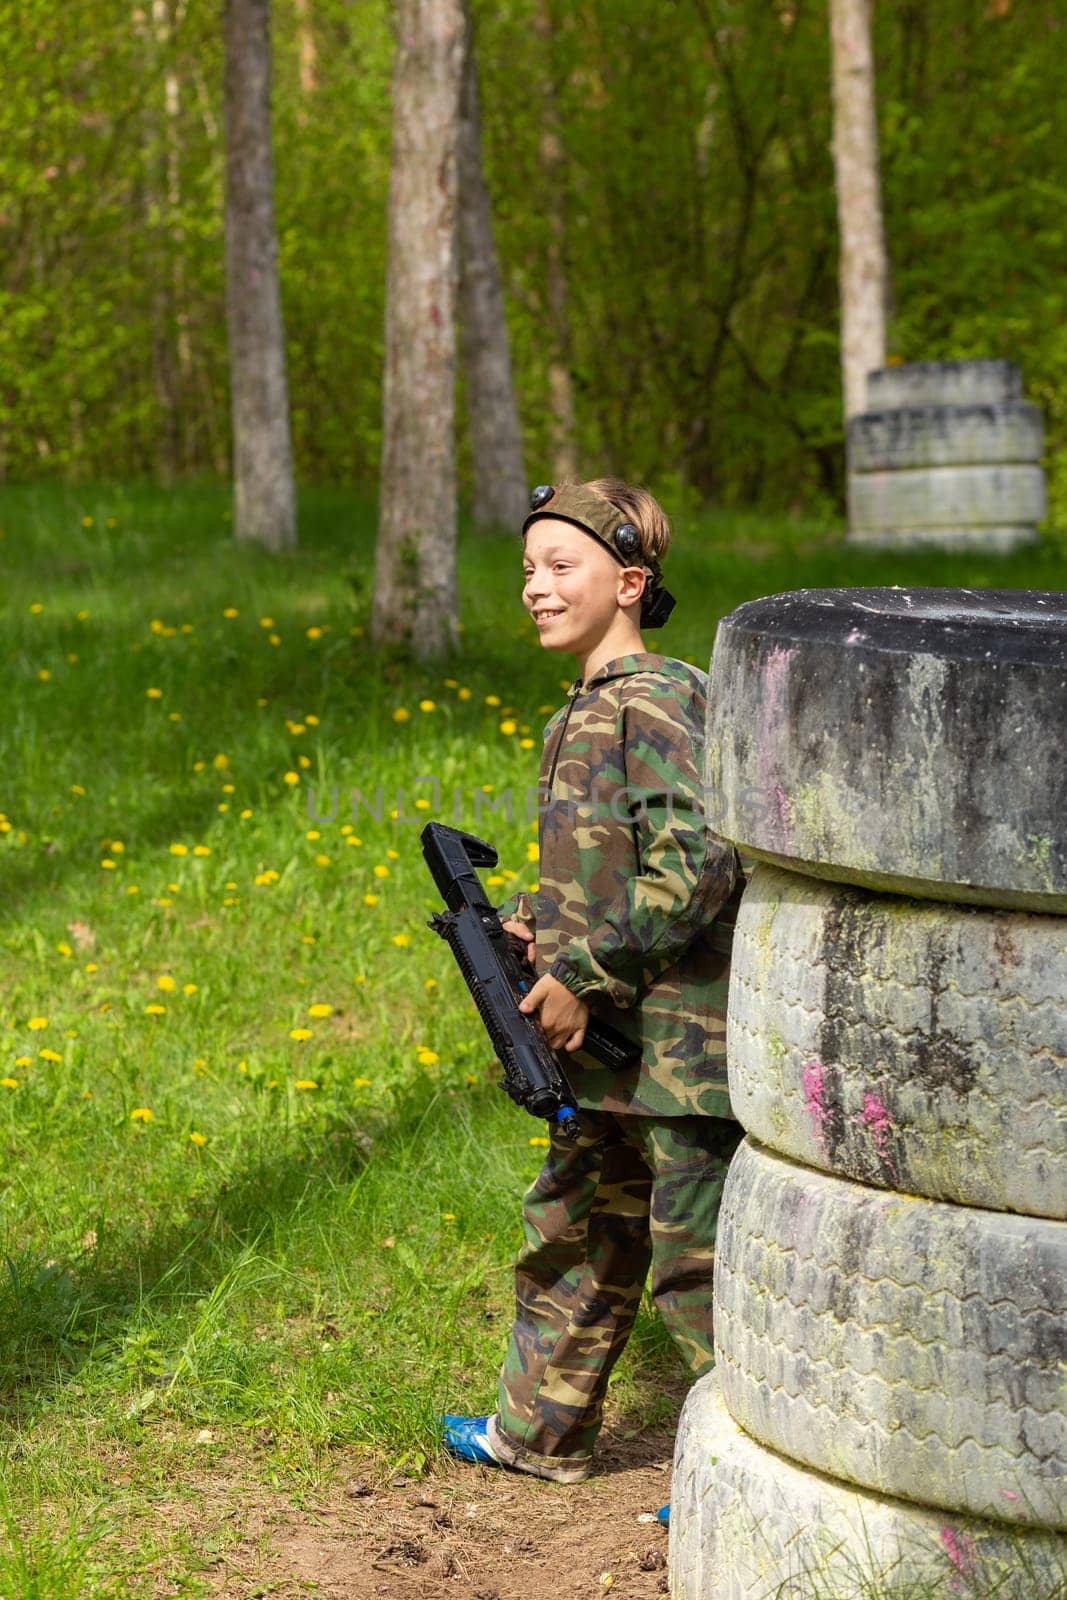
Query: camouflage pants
x,y
631,1191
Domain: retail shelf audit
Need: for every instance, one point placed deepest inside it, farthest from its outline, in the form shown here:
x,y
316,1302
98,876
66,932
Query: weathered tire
x,y
945,436
943,383
915,1046
946,497
907,739
749,1524
998,539
909,1346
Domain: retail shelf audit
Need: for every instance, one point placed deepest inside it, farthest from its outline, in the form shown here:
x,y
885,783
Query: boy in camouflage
x,y
632,920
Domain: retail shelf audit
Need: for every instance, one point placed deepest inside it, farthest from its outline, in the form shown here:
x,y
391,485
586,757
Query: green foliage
x,y
692,202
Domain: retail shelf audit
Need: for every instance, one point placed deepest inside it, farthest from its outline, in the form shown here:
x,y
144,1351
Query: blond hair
x,y
642,509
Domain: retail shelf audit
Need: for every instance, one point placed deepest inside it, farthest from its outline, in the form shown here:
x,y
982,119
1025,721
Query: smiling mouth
x,y
541,617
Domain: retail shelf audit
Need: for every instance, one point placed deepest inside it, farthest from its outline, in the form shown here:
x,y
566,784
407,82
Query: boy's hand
x,y
511,926
563,1016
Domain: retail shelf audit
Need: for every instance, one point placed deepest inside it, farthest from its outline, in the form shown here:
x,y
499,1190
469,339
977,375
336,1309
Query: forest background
x,y
676,157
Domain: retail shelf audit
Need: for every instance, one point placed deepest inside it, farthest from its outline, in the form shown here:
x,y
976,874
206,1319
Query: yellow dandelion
x,y
450,683
64,949
198,766
300,1034
179,849
401,714
448,1216
228,788
492,699
361,1083
37,1023
291,778
428,1058
9,1083
49,1055
400,940
154,694
108,864
245,814
266,622
508,727
463,694
87,522
526,744
303,761
273,638
76,788
430,984
313,833
199,1139
322,861
37,608
165,981
314,633
320,1009
155,1011
532,851
201,849
141,1114
231,612
427,705
91,966
305,1083
381,872
539,1143
24,1061
189,988
307,938
394,855
312,721
470,1080
44,674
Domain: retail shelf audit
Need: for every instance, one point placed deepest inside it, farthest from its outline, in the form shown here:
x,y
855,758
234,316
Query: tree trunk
x,y
864,270
415,567
500,490
264,496
560,384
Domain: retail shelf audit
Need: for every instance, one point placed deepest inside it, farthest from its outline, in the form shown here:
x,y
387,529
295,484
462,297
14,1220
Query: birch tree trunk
x,y
500,490
264,495
560,384
415,565
864,269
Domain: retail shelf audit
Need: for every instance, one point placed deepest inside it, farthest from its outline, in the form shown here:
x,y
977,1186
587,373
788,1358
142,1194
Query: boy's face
x,y
572,586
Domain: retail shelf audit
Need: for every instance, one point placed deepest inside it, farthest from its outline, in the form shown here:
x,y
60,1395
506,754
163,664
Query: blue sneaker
x,y
467,1439
663,1516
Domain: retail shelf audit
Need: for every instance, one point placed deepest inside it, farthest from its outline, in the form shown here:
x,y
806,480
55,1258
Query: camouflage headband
x,y
595,514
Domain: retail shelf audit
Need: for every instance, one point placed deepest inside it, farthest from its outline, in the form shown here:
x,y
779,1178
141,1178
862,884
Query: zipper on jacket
x,y
559,745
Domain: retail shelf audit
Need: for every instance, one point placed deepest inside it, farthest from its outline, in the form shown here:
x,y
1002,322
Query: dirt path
x,y
465,1532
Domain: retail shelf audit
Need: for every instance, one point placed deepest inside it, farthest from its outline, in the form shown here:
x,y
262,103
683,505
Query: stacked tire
x,y
947,453
888,1404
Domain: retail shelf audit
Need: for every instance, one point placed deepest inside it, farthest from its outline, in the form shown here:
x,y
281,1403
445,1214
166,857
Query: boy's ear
x,y
634,581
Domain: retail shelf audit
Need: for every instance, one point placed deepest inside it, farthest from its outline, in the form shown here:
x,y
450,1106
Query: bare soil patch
x,y
460,1532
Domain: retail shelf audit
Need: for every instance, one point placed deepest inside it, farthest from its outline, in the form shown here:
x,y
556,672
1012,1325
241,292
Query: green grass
x,y
204,1257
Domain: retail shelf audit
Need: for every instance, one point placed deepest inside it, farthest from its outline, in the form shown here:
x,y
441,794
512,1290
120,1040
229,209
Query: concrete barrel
x,y
907,740
947,453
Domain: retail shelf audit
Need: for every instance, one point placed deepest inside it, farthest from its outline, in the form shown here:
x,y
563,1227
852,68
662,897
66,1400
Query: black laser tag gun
x,y
497,976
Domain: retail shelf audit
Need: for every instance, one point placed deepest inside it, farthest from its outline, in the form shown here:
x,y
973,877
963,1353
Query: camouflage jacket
x,y
632,884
